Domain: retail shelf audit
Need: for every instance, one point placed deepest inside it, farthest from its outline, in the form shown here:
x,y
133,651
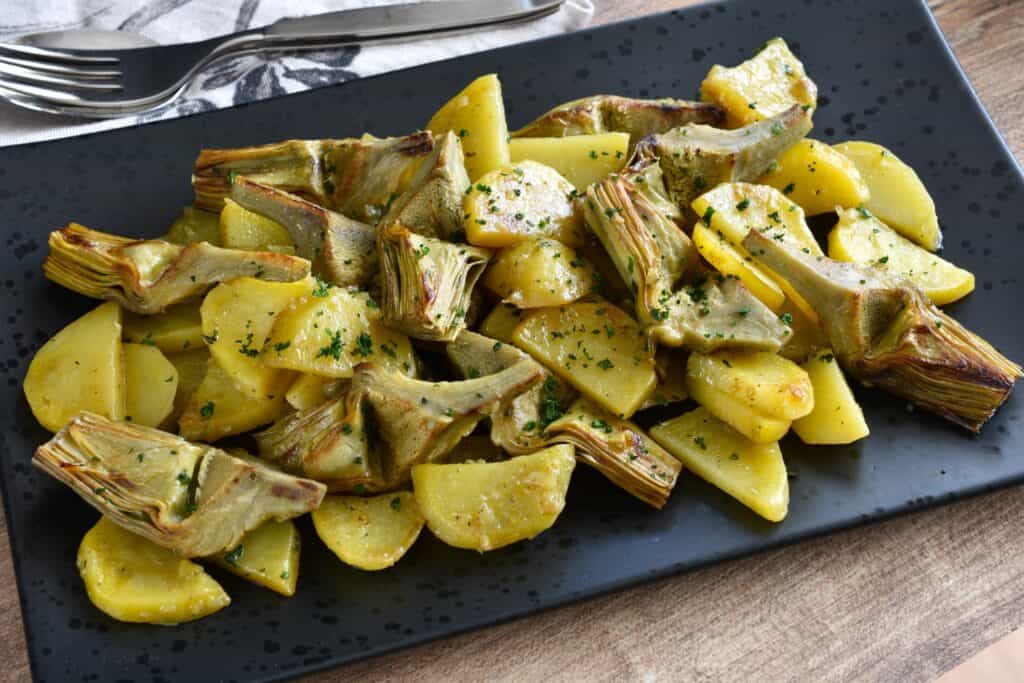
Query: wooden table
x,y
903,600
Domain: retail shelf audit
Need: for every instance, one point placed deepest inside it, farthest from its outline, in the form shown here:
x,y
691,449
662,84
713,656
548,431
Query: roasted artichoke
x,y
343,251
192,498
358,177
427,283
611,113
886,332
147,276
696,158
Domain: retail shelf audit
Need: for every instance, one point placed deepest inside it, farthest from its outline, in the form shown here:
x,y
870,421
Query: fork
x,y
107,84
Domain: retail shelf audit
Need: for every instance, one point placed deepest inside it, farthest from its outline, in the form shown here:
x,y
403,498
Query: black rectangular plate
x,y
885,74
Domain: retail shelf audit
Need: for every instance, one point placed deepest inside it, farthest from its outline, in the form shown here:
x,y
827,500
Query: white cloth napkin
x,y
247,78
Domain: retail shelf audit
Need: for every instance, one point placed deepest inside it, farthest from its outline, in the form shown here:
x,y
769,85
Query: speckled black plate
x,y
884,74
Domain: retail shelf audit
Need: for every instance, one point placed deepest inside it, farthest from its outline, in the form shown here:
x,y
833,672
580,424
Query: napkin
x,y
248,78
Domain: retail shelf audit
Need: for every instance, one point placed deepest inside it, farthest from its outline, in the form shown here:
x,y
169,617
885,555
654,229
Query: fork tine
x,y
57,55
32,76
60,69
22,90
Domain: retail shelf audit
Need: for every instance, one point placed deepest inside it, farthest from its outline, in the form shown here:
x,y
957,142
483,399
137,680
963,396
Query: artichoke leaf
x,y
341,249
147,276
191,498
427,283
886,332
696,157
612,113
355,176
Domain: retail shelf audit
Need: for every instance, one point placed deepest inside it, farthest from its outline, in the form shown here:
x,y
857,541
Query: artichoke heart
x,y
612,113
341,249
432,206
355,176
886,332
427,283
147,276
696,158
192,498
652,254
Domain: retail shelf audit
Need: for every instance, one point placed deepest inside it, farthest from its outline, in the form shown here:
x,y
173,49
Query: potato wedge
x,y
767,84
309,391
477,116
483,506
267,556
369,533
769,384
581,159
728,259
151,382
331,331
195,225
859,237
179,328
741,417
79,368
244,229
191,368
517,202
218,408
597,348
817,178
135,580
501,322
807,336
897,195
539,272
237,320
752,473
837,417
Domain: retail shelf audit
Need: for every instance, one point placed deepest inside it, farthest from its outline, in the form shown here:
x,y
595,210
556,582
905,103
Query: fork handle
x,y
397,22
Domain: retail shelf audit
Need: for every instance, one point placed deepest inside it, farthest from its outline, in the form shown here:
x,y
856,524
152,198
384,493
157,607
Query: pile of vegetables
x,y
434,329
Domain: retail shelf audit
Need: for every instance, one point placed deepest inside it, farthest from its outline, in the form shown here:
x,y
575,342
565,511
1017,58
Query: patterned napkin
x,y
247,78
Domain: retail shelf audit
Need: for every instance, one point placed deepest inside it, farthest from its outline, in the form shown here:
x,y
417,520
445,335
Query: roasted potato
x,y
309,390
501,322
369,533
244,229
477,116
539,272
79,368
730,260
195,225
191,368
267,556
135,580
837,417
151,382
581,159
768,383
483,506
179,328
817,178
218,408
752,473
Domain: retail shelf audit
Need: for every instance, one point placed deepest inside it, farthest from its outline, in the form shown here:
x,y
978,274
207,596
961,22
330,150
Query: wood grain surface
x,y
903,600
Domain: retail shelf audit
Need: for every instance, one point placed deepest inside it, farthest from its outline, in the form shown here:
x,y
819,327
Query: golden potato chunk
x,y
331,331
477,116
151,382
837,417
179,328
501,322
267,556
897,195
79,368
597,348
369,533
540,272
133,579
859,237
483,506
191,369
580,159
244,229
768,383
752,473
193,226
741,417
728,259
521,201
237,319
309,391
767,84
218,408
817,178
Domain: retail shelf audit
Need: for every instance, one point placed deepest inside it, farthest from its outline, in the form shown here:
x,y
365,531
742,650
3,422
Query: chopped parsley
x,y
206,411
333,349
364,345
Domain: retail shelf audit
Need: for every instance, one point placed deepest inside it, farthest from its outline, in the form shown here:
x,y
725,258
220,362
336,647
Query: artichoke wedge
x,y
427,283
192,498
341,249
695,158
147,276
619,450
355,176
652,254
432,206
886,332
611,113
